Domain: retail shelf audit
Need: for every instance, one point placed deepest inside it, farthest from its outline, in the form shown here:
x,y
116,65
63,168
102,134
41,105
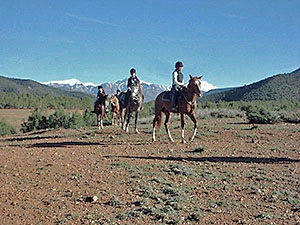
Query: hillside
x,y
277,87
21,86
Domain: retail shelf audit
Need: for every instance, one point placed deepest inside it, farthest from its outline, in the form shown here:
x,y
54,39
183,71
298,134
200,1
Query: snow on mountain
x,y
70,82
205,86
150,90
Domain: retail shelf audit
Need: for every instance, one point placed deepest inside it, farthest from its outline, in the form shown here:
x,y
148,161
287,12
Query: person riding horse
x,y
177,84
132,82
100,95
134,101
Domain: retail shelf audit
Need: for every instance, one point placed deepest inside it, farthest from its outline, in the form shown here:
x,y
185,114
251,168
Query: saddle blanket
x,y
167,96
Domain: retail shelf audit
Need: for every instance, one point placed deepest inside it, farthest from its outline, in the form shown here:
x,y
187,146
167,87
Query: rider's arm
x,y
128,82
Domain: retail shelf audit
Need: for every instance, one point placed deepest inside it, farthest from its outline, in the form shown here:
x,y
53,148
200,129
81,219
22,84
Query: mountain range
x,y
150,90
278,87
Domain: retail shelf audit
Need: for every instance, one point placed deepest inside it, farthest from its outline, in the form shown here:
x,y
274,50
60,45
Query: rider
x,y
118,93
101,94
132,81
177,83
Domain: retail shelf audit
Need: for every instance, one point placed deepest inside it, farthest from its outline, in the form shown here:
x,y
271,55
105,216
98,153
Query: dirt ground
x,y
233,173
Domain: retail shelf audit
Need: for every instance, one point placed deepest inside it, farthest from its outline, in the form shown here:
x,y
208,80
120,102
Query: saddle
x,y
167,96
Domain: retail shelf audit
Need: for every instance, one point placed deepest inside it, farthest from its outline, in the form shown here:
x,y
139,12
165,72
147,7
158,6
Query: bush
x,y
59,119
88,118
76,120
262,116
290,117
219,113
6,129
36,121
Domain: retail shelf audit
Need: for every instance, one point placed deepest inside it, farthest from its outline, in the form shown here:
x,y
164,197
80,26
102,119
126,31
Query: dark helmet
x,y
132,71
178,64
100,87
118,90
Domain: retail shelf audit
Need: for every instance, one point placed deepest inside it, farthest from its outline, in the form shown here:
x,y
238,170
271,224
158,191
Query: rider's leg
x,y
174,99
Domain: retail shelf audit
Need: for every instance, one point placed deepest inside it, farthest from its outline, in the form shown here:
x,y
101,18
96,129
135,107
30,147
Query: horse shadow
x,y
31,138
63,144
216,159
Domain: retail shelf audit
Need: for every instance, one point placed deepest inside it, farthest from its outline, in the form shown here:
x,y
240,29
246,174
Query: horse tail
x,y
158,112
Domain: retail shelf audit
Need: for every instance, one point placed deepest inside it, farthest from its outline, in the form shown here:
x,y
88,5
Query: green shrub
x,y
6,129
290,117
36,121
76,120
262,116
88,118
59,119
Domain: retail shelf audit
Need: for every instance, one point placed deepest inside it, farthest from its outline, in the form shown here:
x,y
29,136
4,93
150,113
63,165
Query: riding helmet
x,y
132,71
178,64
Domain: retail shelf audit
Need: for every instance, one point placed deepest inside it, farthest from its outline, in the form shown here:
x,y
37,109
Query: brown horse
x,y
100,111
115,108
187,106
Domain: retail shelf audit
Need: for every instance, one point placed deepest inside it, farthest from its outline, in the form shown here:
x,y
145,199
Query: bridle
x,y
192,104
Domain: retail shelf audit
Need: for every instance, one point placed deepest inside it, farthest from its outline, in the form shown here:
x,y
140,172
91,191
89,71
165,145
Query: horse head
x,y
113,100
195,85
135,93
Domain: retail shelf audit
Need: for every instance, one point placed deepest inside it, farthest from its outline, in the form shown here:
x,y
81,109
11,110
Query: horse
x,y
100,110
186,106
134,104
115,108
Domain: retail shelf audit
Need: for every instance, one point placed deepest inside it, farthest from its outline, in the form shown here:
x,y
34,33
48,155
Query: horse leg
x,y
155,121
98,121
182,128
101,122
113,121
167,123
193,118
135,122
124,115
128,114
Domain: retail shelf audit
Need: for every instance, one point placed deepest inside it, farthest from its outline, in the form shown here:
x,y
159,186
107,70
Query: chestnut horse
x,y
100,111
115,108
186,106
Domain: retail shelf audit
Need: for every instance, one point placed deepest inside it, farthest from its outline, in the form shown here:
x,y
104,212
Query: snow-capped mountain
x,y
205,86
150,90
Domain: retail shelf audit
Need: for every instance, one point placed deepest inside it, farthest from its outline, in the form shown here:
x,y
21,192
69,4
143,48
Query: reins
x,y
192,104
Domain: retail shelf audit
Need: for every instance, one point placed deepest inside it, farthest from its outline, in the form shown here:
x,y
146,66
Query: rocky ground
x,y
233,173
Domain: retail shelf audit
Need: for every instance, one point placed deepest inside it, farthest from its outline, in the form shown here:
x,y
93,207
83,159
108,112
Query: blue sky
x,y
232,42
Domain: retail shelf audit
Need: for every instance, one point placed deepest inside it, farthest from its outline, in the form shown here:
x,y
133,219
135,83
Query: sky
x,y
231,43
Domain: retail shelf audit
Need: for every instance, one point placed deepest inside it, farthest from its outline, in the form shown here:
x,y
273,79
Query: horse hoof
x,y
183,141
137,132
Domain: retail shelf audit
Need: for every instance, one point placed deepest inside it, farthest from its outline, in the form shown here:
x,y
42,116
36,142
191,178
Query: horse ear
x,y
191,77
200,77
